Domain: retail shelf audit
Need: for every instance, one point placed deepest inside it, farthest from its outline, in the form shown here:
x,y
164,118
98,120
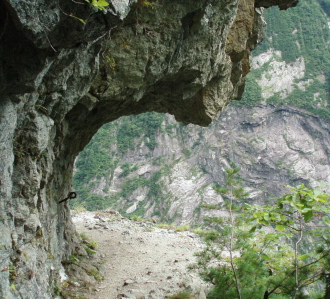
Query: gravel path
x,y
139,260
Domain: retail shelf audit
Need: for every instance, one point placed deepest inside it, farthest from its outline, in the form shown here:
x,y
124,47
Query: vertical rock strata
x,y
188,58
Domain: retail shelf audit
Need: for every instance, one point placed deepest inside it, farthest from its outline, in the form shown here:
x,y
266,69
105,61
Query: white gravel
x,y
140,260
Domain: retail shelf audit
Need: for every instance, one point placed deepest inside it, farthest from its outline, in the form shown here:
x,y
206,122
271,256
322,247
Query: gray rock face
x,y
173,58
273,147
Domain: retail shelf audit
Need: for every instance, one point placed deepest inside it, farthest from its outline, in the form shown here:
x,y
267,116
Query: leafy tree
x,y
224,238
280,251
293,214
232,192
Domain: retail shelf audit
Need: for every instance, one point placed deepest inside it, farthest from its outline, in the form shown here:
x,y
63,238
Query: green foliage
x,y
72,260
169,128
292,210
305,99
292,217
143,125
12,287
325,4
136,218
233,192
75,17
57,290
110,62
95,273
96,160
289,258
130,185
186,153
182,228
252,92
91,201
88,244
99,160
84,237
298,32
166,226
225,234
155,187
181,295
127,169
98,4
207,234
305,25
90,251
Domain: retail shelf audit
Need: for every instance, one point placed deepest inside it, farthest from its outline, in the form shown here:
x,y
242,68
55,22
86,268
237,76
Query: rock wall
x,y
185,58
273,147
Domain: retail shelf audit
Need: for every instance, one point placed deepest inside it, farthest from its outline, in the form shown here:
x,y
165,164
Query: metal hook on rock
x,y
71,195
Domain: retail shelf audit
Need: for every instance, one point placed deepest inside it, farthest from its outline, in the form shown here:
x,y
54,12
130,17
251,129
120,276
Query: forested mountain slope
x,y
292,65
279,134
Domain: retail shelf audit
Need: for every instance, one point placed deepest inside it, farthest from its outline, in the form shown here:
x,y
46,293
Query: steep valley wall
x,y
273,147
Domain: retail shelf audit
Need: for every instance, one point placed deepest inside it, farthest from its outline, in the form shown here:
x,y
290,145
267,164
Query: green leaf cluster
x,y
301,204
278,251
99,4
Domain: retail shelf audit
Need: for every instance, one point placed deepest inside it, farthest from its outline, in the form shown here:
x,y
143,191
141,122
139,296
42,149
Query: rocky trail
x,y
140,260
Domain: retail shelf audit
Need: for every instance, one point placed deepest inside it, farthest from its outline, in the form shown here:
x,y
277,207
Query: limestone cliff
x,y
188,58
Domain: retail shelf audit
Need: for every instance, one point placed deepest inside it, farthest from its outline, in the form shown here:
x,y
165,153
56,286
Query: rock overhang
x,y
61,80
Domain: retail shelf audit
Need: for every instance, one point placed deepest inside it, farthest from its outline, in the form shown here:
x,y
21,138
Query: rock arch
x,y
61,80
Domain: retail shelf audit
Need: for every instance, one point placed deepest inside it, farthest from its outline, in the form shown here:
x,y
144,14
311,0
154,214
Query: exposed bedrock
x,y
188,58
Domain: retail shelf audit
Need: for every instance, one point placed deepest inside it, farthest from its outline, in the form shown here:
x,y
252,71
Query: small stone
x,y
128,281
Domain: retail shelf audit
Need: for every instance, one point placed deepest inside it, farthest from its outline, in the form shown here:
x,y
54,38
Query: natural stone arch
x,y
191,58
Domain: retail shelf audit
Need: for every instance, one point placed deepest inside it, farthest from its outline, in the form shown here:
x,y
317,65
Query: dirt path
x,y
141,261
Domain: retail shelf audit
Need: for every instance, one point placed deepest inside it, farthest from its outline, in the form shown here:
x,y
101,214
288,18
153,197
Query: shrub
x,y
181,295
